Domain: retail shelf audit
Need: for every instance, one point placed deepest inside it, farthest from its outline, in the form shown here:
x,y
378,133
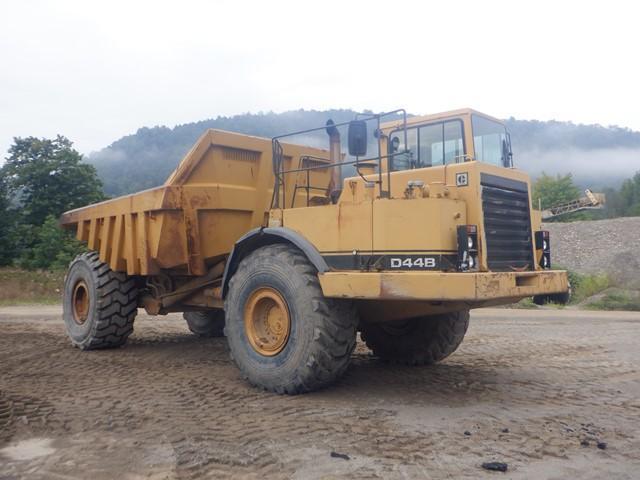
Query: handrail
x,y
333,165
342,164
277,156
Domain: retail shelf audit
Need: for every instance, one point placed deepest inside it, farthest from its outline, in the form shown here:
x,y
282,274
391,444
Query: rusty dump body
x,y
221,190
388,238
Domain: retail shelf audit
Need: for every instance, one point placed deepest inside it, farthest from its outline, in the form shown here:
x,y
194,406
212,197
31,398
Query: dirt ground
x,y
525,388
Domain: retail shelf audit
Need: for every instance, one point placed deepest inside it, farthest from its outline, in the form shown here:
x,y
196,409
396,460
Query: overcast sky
x,y
94,71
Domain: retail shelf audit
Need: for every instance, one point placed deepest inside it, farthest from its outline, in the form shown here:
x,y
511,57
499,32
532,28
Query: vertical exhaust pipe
x,y
335,157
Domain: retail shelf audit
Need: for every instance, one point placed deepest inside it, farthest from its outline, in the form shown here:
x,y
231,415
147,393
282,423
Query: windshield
x,y
490,141
428,145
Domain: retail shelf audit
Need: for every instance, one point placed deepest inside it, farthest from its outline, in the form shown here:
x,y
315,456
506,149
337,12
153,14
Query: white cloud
x,y
95,71
600,166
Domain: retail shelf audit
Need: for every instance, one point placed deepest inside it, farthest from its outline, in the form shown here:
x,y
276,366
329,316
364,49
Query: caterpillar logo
x,y
462,179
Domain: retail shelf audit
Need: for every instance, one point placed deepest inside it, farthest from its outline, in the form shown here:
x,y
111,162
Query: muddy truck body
x,y
266,242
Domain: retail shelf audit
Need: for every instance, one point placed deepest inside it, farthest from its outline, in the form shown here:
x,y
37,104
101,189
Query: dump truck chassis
x,y
264,241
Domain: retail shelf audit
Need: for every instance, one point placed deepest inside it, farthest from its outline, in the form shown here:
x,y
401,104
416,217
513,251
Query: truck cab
x,y
441,220
447,138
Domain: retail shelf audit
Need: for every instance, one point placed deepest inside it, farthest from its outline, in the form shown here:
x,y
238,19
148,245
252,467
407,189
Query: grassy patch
x,y
525,304
616,300
606,296
585,286
582,286
22,287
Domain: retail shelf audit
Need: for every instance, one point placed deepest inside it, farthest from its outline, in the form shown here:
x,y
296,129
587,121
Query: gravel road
x,y
525,388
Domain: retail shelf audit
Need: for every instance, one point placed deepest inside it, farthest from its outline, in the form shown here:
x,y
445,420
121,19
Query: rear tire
x,y
417,341
562,298
99,305
283,334
207,324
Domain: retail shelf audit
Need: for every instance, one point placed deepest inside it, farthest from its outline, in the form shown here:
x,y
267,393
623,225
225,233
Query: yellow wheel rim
x,y
80,302
267,322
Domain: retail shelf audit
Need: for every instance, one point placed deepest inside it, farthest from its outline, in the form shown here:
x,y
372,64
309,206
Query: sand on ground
x,y
527,387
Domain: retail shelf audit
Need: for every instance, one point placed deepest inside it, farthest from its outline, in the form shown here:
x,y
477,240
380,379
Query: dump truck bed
x,y
220,190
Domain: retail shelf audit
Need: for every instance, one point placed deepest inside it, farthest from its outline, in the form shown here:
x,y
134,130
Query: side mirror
x,y
357,138
507,156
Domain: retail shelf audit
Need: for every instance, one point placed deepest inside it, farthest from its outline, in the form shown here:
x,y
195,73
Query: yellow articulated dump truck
x,y
266,242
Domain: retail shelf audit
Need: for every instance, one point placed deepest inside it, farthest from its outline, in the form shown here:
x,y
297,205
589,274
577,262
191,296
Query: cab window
x,y
405,161
453,146
428,145
489,140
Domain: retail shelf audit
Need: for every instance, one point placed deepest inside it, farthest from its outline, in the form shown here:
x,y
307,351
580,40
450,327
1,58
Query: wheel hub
x,y
267,321
80,302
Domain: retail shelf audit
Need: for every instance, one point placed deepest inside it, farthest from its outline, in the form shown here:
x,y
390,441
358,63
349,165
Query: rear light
x,y
467,247
543,243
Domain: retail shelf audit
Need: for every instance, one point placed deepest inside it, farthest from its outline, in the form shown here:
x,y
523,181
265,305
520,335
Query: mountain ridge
x,y
598,156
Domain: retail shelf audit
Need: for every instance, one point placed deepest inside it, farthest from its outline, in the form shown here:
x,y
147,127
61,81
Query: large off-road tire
x,y
99,305
209,323
283,334
417,341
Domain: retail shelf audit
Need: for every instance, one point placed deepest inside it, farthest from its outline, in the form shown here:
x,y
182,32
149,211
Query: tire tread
x,y
116,299
334,322
207,324
428,341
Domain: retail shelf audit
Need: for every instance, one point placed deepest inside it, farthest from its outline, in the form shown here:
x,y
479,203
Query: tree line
x,y
41,179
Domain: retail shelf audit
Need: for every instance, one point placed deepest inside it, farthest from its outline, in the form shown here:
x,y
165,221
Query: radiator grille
x,y
507,224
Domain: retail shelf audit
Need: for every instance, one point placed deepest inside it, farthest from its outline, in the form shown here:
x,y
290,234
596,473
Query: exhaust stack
x,y
335,157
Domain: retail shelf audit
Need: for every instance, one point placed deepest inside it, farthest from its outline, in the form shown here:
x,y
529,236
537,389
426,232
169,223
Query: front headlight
x,y
467,247
543,246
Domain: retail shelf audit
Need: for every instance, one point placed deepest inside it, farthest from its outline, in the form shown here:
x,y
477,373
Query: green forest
x,y
40,179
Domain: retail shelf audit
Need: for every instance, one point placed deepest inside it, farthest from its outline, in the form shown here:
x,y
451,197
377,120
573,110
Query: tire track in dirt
x,y
179,403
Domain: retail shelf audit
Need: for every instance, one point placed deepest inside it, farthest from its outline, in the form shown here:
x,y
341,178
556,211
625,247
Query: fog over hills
x,y
597,156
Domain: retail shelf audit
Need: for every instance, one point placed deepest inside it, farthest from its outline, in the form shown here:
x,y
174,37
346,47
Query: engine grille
x,y
507,223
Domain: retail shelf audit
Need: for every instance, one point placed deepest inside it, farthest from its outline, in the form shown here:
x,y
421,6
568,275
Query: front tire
x,y
417,341
99,305
206,324
283,334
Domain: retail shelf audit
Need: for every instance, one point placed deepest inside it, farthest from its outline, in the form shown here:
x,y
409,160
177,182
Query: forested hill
x,y
146,158
597,156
